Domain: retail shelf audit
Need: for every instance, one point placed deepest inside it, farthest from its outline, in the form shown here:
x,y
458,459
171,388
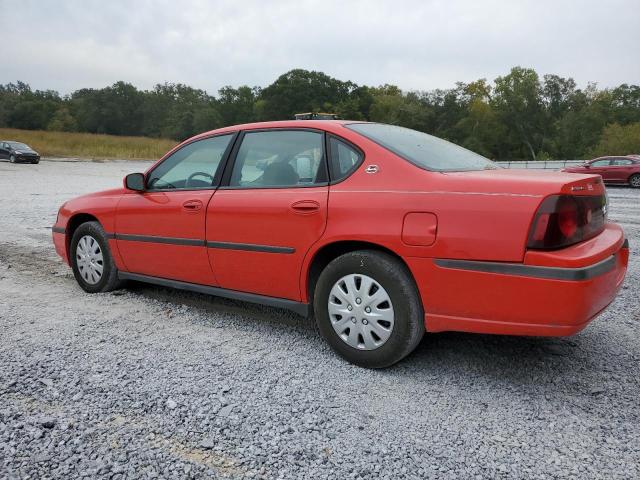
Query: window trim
x,y
353,169
228,170
215,184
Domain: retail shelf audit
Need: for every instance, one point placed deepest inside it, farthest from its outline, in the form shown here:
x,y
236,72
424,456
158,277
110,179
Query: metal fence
x,y
540,164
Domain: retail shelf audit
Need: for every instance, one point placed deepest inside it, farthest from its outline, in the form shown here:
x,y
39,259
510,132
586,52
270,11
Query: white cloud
x,y
415,44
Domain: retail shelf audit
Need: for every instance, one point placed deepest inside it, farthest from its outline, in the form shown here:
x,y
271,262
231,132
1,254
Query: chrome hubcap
x,y
361,312
89,259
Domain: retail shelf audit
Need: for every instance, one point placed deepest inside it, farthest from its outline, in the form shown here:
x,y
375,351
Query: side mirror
x,y
135,182
587,165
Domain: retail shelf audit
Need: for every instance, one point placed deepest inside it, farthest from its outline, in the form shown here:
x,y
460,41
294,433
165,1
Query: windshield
x,y
423,150
19,145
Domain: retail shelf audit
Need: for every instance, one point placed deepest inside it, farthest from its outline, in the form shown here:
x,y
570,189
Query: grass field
x,y
89,145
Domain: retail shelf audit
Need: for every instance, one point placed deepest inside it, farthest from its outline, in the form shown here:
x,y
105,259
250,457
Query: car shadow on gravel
x,y
499,356
210,306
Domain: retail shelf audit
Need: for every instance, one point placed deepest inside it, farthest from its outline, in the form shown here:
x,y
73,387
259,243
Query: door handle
x,y
305,207
192,205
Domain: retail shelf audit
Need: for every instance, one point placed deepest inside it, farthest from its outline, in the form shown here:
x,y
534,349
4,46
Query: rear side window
x,y
423,150
344,159
284,158
621,161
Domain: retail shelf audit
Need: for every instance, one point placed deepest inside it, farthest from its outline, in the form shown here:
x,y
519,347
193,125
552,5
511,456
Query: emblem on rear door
x,y
371,169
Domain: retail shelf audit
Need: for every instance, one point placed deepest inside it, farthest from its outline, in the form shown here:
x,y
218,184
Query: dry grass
x,y
89,145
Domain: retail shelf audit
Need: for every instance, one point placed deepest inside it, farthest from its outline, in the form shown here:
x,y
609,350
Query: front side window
x,y
423,150
600,163
286,158
193,166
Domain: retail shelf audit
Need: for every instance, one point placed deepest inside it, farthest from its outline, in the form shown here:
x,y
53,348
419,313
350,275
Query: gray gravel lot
x,y
153,383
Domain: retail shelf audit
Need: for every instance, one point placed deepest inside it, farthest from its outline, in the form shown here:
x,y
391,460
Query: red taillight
x,y
562,220
567,216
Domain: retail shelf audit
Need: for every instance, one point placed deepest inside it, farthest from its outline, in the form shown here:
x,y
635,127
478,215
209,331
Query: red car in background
x,y
381,233
621,170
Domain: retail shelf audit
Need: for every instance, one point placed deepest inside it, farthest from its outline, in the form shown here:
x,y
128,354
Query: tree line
x,y
517,116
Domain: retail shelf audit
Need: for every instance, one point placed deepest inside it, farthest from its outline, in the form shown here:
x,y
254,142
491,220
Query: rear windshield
x,y
423,150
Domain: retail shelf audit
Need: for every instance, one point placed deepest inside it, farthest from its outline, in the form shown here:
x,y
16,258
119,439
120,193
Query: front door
x,y
270,209
161,232
600,167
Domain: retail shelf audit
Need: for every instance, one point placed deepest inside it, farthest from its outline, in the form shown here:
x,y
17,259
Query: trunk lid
x,y
528,182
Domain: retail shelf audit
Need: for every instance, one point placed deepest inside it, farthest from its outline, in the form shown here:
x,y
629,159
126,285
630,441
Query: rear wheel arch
x,y
324,255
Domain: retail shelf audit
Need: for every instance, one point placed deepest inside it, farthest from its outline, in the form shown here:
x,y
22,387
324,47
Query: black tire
x,y
109,280
396,279
36,162
12,159
634,180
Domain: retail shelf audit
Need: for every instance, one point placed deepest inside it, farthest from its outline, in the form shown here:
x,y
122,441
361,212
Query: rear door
x,y
4,150
620,170
161,232
270,209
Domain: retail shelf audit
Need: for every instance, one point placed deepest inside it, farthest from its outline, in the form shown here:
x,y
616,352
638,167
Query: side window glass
x,y
621,161
287,158
600,163
193,166
344,159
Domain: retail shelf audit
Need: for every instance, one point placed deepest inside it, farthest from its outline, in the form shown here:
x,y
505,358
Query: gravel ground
x,y
153,383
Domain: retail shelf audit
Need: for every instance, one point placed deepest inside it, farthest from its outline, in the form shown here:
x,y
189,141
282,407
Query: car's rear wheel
x,y
368,309
634,181
91,259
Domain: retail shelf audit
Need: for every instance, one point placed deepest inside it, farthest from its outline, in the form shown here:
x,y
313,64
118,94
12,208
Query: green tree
x,y
299,91
237,105
63,121
518,104
618,139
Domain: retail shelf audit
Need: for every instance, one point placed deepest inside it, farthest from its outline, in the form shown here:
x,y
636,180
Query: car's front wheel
x,y
91,259
634,181
368,309
12,159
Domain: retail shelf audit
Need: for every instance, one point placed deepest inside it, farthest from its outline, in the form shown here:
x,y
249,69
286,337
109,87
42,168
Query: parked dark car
x,y
18,152
622,169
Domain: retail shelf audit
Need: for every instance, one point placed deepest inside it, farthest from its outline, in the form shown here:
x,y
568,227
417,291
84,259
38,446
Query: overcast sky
x,y
415,44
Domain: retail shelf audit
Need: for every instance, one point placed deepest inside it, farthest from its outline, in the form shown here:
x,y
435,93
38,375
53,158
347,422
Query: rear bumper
x,y
549,298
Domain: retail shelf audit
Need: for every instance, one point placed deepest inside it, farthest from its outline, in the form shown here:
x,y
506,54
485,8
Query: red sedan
x,y
379,232
625,170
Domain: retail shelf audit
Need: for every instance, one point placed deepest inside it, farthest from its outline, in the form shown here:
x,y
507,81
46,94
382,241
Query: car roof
x,y
630,157
314,124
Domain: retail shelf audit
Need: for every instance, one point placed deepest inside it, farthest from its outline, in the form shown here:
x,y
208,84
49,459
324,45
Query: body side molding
x,y
250,247
202,243
519,269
